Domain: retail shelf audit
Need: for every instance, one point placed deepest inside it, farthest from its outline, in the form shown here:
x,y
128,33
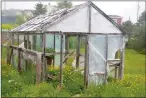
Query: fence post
x,y
61,59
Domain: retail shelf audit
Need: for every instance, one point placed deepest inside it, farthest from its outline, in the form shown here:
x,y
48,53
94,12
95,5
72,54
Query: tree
x,y
128,27
39,9
20,19
64,4
142,17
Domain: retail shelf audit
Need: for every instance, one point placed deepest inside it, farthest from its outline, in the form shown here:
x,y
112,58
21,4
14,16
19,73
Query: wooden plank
x,y
61,61
106,47
78,51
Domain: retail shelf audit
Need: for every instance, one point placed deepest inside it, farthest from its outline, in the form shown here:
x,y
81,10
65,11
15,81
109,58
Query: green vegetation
x,y
134,62
136,33
8,26
23,84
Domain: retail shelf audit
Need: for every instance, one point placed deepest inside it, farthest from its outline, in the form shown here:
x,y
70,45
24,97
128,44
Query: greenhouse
x,y
103,40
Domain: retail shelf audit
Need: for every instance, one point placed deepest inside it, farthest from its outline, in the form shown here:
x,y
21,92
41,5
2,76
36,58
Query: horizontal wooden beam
x,y
64,33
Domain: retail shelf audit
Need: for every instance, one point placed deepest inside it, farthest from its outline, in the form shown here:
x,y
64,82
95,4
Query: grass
x,y
134,62
23,84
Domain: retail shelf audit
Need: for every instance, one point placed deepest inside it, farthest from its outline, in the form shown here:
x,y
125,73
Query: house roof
x,y
114,16
57,20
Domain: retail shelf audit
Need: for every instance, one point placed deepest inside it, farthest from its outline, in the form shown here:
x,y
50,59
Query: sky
x,y
126,9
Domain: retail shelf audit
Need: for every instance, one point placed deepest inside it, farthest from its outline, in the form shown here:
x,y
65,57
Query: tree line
x,y
136,33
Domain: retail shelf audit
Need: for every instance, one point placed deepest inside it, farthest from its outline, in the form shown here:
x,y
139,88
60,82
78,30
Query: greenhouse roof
x,y
75,19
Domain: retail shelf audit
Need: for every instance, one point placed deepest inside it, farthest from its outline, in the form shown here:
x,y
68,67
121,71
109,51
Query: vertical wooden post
x,y
116,69
10,58
19,55
8,49
38,68
54,49
86,62
78,51
44,56
34,42
19,60
86,67
121,67
66,44
12,43
7,55
26,46
106,64
18,39
61,59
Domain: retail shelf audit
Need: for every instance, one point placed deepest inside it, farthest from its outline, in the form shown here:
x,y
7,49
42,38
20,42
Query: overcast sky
x,y
125,9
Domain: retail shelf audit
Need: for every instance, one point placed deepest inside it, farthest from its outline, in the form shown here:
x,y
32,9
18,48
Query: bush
x,y
73,80
11,81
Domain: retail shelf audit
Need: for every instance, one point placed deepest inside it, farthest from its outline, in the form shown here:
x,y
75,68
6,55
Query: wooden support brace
x,y
66,57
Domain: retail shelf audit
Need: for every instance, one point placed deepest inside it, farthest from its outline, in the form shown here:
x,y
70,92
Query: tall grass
x,y
23,84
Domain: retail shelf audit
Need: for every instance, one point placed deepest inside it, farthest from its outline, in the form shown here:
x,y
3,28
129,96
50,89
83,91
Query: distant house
x,y
116,18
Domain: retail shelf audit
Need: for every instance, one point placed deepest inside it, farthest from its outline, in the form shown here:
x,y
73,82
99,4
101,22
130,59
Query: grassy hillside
x,y
23,84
